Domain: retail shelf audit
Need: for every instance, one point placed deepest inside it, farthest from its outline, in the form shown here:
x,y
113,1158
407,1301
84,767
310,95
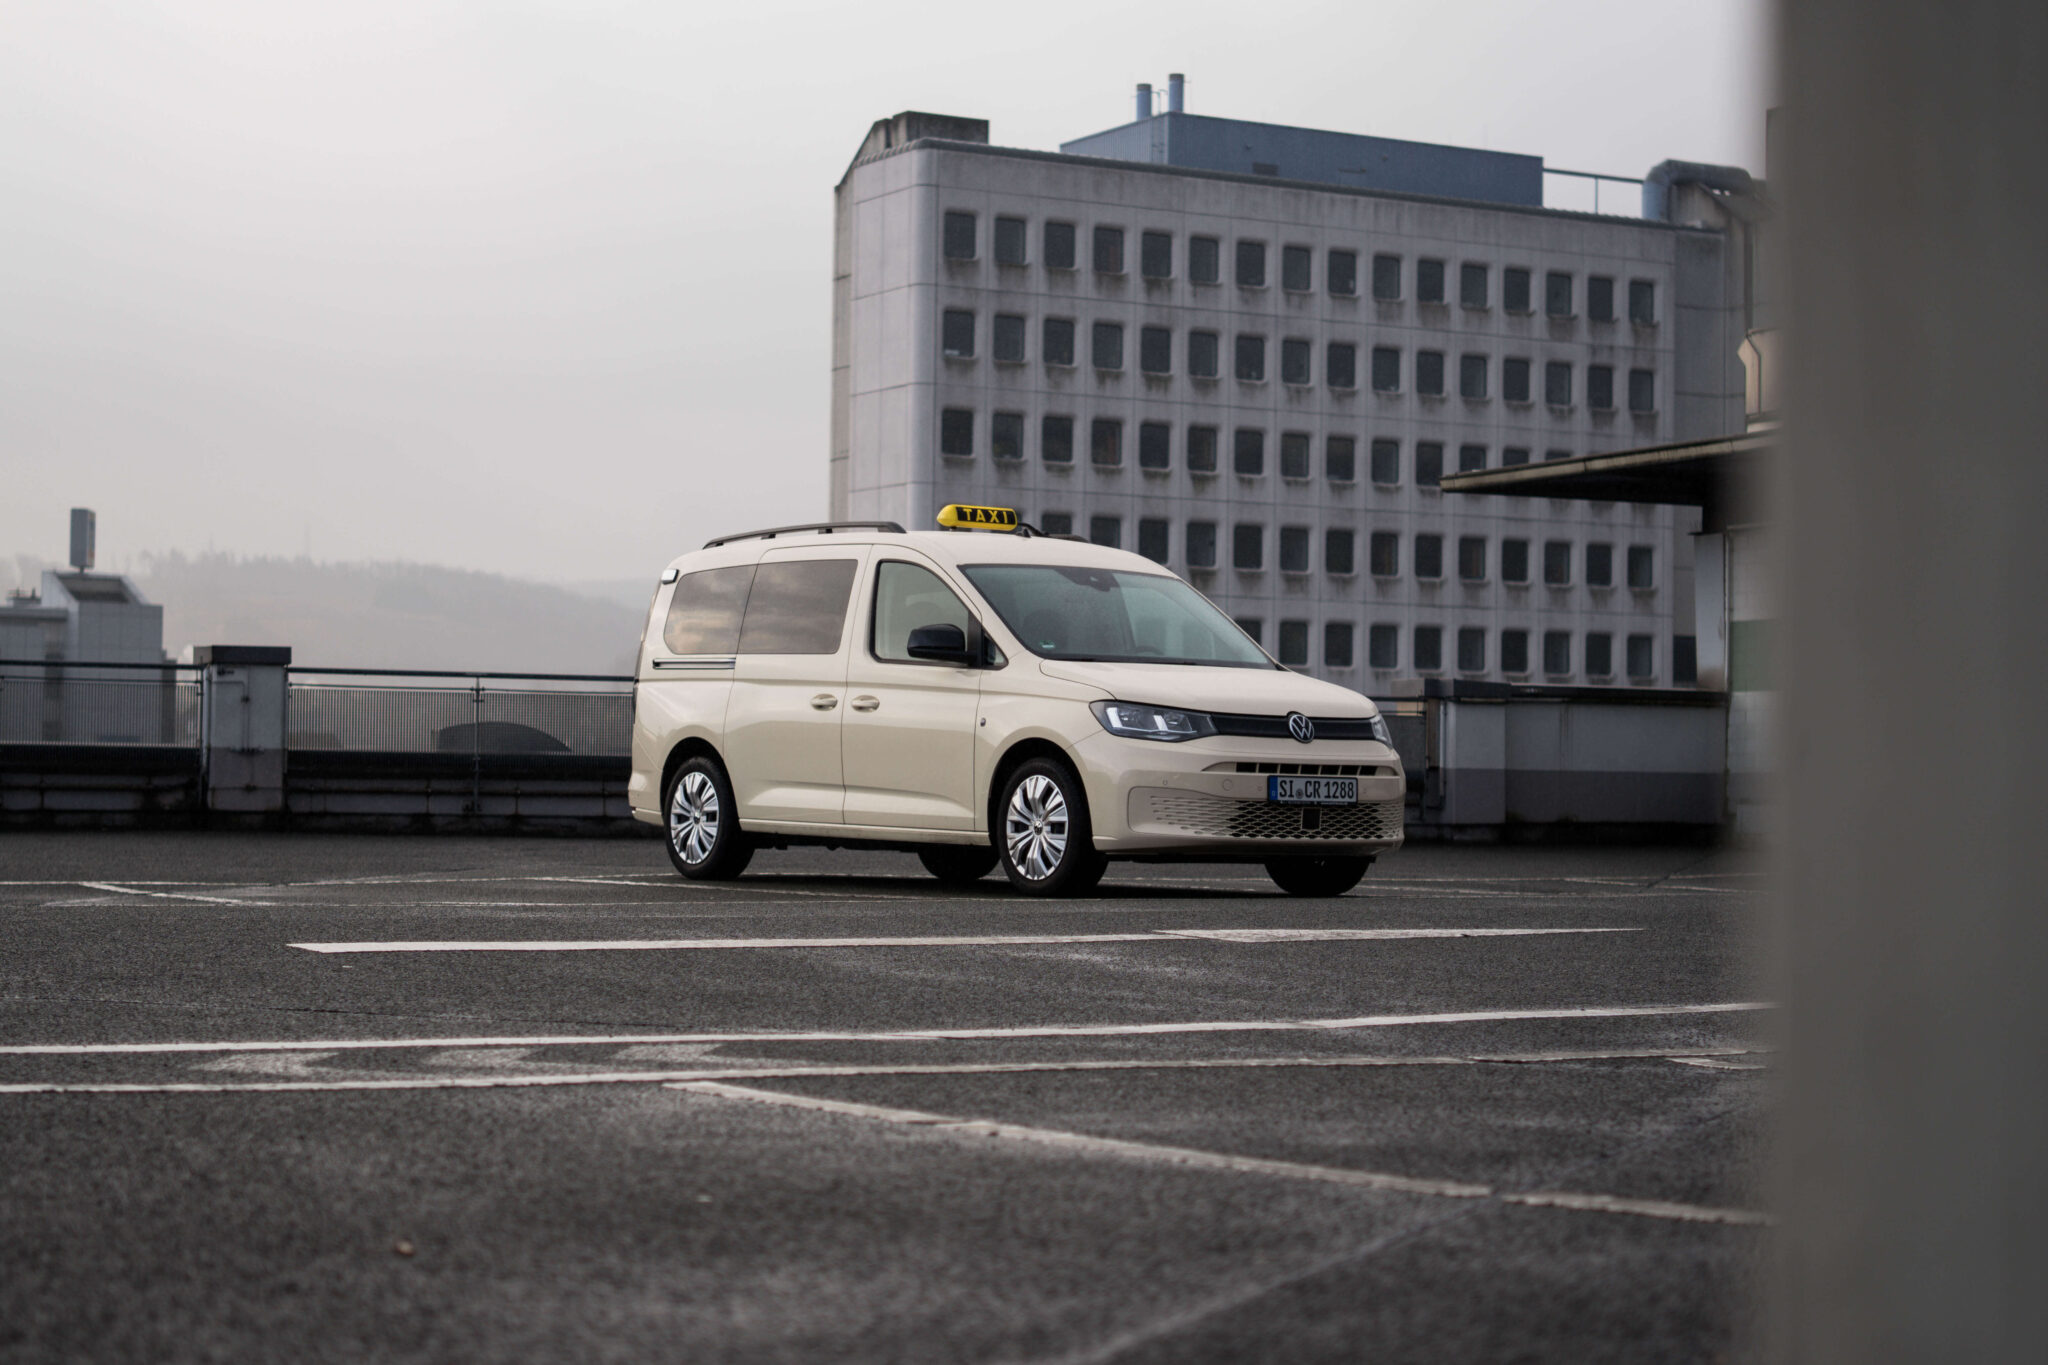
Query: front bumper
x,y
1207,797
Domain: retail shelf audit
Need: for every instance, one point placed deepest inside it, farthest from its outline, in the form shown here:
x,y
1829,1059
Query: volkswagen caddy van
x,y
990,695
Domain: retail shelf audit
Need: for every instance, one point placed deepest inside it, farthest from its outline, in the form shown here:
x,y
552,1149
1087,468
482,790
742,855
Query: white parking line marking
x,y
543,945
301,1072
165,895
1218,1161
889,1035
1713,1064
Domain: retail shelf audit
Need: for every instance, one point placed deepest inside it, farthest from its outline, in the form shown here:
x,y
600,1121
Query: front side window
x,y
1010,241
1204,350
1295,266
908,596
1251,264
1109,250
1155,350
1059,246
1205,260
797,606
1155,255
956,334
1108,345
956,431
704,613
959,236
1063,612
1058,347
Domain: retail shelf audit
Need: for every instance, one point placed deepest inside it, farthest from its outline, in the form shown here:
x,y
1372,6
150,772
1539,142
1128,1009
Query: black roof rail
x,y
822,527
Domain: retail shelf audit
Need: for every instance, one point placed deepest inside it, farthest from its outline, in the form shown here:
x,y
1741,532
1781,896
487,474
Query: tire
x,y
705,841
1044,836
958,864
1317,876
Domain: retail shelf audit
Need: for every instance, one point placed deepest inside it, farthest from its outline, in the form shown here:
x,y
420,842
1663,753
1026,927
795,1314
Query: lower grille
x,y
1219,817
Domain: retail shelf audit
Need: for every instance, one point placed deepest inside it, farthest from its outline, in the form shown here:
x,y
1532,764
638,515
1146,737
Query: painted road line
x,y
885,1035
165,895
598,945
1218,1161
1715,1064
299,1071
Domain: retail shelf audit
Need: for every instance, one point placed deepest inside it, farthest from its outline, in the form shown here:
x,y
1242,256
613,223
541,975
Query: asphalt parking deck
x,y
276,1097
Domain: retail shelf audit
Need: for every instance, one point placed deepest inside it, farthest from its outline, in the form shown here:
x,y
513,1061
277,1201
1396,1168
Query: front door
x,y
789,684
908,735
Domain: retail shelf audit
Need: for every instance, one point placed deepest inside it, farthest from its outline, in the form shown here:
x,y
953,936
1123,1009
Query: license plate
x,y
1313,791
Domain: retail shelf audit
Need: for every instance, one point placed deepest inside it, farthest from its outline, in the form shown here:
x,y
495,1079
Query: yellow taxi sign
x,y
961,517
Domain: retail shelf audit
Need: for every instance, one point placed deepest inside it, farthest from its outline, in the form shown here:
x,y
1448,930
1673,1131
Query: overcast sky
x,y
545,288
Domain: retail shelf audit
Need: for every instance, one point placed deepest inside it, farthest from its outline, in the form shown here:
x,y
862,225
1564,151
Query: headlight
x,y
1150,722
1380,731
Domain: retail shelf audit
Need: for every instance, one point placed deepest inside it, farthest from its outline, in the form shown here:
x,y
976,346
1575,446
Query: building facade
x,y
1259,381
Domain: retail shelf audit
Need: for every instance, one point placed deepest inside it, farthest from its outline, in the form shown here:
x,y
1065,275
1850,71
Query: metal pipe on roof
x,y
1176,90
1144,100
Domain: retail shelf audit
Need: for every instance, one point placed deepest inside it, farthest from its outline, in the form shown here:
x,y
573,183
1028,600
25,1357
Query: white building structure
x,y
1251,351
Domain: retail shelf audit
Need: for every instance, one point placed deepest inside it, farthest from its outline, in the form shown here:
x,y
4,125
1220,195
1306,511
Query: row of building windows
x,y
1204,354
1201,445
1594,562
1596,655
960,241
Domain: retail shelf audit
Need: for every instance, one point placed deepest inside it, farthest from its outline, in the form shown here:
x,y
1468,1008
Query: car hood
x,y
1241,691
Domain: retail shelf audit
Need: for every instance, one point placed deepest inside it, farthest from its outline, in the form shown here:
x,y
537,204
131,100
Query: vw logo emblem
x,y
1300,726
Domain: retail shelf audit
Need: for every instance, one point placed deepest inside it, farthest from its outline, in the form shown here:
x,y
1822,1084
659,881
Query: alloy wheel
x,y
693,817
1035,827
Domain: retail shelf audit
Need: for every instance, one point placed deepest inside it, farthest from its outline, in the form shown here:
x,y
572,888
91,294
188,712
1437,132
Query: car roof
x,y
951,548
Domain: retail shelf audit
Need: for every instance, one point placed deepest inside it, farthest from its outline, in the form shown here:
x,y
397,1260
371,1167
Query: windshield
x,y
1106,614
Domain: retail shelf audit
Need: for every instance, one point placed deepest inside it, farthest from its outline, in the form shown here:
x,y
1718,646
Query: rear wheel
x,y
958,864
704,838
1317,876
1047,848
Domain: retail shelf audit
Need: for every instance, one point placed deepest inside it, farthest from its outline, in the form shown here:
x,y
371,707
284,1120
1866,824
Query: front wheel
x,y
1317,876
958,864
704,837
1046,845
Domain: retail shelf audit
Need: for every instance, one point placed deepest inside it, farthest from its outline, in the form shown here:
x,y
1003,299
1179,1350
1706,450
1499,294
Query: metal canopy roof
x,y
1716,475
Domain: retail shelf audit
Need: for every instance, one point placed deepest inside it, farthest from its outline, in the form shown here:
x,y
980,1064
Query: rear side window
x,y
908,596
798,606
704,614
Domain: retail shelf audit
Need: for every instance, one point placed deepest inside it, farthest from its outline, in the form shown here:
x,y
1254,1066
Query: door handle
x,y
824,701
865,702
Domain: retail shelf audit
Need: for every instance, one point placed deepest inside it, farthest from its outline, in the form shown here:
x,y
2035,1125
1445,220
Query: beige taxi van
x,y
986,694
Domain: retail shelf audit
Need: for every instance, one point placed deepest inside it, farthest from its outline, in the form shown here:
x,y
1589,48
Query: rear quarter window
x,y
704,612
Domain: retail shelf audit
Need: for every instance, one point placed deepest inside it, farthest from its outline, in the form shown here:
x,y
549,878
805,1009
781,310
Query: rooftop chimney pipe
x,y
1175,88
1144,100
84,527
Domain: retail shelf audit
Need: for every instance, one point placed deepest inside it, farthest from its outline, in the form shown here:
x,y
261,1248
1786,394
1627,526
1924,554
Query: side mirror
x,y
946,644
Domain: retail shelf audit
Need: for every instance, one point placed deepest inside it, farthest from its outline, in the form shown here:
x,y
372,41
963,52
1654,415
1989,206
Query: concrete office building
x,y
1250,352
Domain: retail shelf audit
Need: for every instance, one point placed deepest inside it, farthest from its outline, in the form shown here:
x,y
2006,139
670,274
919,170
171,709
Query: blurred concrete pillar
x,y
1915,749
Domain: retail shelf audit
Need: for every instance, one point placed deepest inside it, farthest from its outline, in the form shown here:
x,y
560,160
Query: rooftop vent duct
x,y
84,534
1176,86
1144,100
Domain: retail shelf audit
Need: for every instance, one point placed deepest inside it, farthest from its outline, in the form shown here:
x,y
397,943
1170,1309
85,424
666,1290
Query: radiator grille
x,y
1219,817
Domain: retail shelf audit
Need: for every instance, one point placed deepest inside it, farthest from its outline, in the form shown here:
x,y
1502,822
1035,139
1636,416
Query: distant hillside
x,y
389,615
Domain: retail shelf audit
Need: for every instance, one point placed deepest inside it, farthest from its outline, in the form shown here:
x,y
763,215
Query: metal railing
x,y
421,711
49,701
